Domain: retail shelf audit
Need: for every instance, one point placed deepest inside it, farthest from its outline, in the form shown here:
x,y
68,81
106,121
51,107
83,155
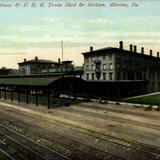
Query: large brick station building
x,y
112,64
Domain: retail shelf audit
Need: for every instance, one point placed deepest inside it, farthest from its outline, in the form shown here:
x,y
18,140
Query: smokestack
x,y
121,44
142,50
91,49
59,60
158,54
150,52
135,48
131,47
25,60
36,58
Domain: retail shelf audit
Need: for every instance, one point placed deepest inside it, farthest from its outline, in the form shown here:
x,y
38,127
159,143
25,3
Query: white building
x,y
119,64
99,65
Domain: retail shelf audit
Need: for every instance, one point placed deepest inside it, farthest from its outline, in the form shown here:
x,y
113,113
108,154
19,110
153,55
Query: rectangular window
x,y
124,76
99,58
145,76
104,57
118,77
93,67
104,66
111,76
87,76
94,58
98,66
104,76
110,56
92,76
110,66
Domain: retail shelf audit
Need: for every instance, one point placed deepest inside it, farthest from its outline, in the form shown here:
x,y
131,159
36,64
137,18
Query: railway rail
x,y
17,147
122,148
106,109
7,152
118,146
84,151
120,140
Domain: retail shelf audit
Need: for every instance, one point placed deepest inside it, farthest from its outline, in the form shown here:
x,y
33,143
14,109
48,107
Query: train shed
x,y
38,90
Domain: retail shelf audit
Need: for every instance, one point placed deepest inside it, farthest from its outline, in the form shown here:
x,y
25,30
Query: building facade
x,y
119,64
64,66
99,65
36,66
41,66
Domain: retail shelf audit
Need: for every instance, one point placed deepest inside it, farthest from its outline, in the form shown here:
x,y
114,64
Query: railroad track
x,y
122,148
109,116
7,152
152,149
118,149
116,109
15,146
80,150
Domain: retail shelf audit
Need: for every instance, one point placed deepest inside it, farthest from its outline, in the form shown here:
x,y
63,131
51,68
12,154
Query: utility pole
x,y
62,49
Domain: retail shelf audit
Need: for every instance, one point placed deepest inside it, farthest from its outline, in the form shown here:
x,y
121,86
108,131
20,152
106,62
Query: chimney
x,y
91,49
25,60
158,54
150,52
121,44
131,47
142,50
135,48
36,58
59,60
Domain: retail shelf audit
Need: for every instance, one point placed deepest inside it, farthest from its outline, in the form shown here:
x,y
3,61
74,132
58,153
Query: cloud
x,y
98,21
13,53
79,38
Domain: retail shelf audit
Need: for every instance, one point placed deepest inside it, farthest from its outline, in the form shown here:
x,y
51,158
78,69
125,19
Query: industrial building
x,y
115,64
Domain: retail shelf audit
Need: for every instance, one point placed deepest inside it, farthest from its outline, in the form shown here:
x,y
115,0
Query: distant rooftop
x,y
132,49
36,60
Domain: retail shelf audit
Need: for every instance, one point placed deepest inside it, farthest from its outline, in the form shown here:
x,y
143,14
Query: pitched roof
x,y
100,50
117,50
39,61
28,81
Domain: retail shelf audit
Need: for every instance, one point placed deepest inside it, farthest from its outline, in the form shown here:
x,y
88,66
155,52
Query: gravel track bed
x,y
84,131
73,147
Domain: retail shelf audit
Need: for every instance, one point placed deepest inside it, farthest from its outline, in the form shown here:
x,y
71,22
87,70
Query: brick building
x,y
119,64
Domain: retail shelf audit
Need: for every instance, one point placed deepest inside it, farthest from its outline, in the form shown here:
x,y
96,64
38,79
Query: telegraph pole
x,y
62,49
